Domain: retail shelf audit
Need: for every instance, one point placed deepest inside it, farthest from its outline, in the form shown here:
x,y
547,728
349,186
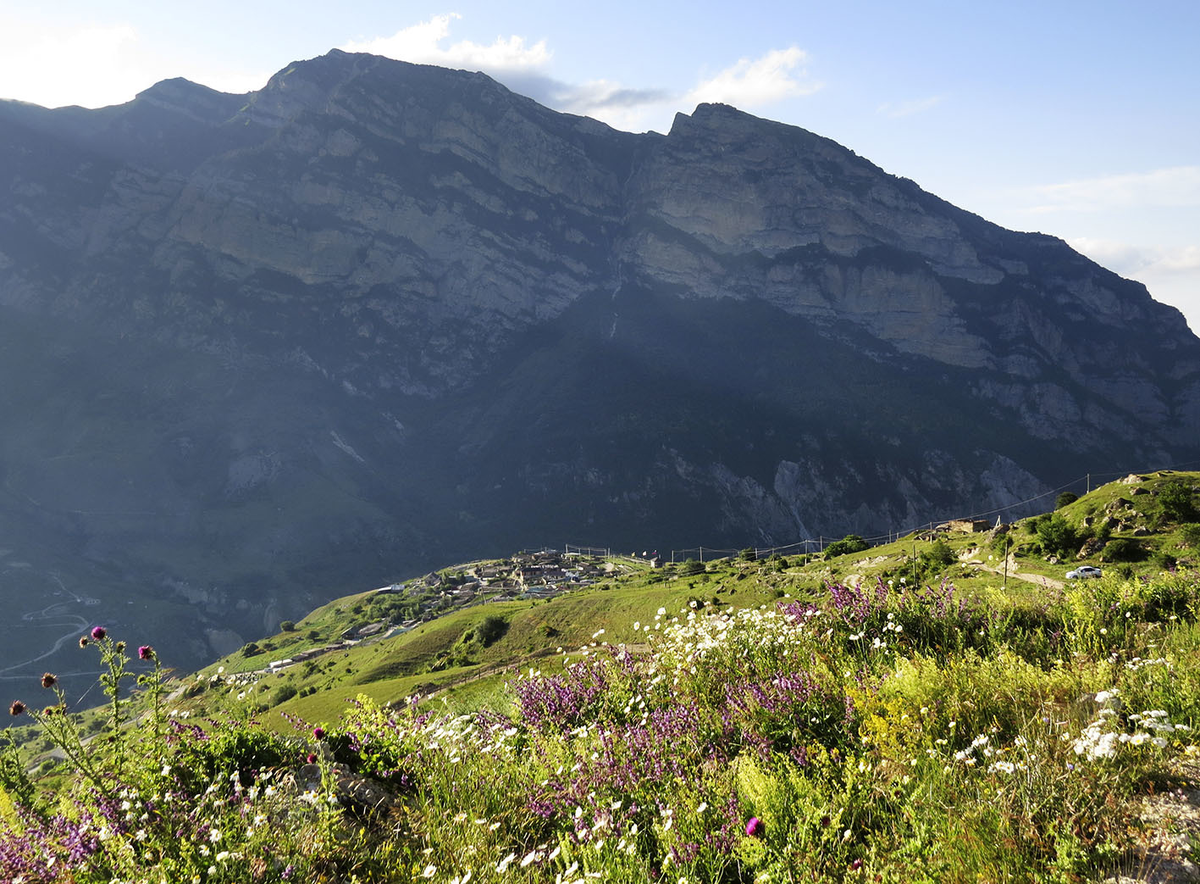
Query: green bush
x,y
1057,536
1123,549
851,543
282,694
1175,501
1065,499
1189,535
491,630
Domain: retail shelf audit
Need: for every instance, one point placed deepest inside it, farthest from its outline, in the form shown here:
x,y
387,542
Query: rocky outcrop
x,y
376,317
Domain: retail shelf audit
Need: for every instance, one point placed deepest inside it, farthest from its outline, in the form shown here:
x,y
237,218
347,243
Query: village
x,y
400,607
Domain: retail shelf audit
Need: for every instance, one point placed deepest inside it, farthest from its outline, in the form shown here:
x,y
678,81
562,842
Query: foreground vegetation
x,y
744,724
882,731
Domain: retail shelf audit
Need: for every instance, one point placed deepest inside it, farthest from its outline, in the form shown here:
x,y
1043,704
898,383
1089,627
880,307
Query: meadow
x,y
868,731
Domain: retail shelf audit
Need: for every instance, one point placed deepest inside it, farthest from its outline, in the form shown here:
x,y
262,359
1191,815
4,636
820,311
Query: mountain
x,y
263,350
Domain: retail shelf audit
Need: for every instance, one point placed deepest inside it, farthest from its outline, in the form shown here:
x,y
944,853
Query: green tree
x,y
1057,536
1175,501
1067,497
851,543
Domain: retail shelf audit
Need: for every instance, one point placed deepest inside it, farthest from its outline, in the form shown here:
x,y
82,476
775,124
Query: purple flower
x,y
312,759
319,732
856,865
755,827
145,652
98,632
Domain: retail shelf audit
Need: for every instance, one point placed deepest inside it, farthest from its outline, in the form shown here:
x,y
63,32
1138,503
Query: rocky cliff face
x,y
262,349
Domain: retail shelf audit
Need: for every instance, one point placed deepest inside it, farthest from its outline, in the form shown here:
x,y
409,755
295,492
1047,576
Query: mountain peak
x,y
377,315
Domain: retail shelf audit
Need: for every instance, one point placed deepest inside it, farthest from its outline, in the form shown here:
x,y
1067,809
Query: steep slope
x,y
260,350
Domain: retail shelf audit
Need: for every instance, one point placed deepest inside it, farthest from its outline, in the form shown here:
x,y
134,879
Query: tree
x,y
1057,536
1067,497
288,626
851,543
1175,500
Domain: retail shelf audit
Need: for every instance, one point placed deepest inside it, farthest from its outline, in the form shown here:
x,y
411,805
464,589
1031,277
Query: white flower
x,y
429,871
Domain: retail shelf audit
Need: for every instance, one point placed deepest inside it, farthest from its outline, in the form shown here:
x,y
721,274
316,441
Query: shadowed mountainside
x,y
261,350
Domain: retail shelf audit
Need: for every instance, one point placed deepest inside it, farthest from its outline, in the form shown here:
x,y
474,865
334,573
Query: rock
x,y
377,317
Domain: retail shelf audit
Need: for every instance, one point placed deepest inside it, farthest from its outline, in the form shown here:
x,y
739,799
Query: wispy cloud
x,y
1133,260
752,82
1177,186
909,108
524,67
423,44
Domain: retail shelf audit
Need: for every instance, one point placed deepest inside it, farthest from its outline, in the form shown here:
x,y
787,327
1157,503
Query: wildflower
x,y
145,652
83,641
311,758
98,632
856,865
16,708
429,871
49,680
319,732
755,827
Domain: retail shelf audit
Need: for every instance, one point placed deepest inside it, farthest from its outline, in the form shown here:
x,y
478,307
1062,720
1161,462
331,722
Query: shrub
x,y
851,543
287,626
282,694
1175,501
1189,535
491,630
1123,549
1057,536
1064,499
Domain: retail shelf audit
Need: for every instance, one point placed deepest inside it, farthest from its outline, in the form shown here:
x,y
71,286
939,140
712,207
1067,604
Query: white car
x,y
1084,572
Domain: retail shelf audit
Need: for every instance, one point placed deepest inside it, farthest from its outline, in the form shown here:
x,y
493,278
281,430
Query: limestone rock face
x,y
263,349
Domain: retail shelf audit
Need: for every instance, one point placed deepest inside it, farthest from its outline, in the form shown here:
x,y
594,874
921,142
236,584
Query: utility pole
x,y
1007,543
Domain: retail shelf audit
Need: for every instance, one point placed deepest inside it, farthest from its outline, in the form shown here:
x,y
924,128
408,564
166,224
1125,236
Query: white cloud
x,y
755,82
523,67
99,65
1178,186
422,44
1171,274
749,83
89,66
908,108
1133,260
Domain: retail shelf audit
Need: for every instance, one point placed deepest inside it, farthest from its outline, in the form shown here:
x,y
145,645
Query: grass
x,y
753,722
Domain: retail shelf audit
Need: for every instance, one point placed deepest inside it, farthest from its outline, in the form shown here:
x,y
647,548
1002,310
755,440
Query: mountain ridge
x,y
376,315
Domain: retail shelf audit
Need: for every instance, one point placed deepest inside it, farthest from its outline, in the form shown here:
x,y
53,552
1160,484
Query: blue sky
x,y
1077,119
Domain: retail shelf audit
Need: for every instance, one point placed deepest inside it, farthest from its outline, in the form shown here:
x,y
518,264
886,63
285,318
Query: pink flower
x,y
319,732
98,632
755,827
145,652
